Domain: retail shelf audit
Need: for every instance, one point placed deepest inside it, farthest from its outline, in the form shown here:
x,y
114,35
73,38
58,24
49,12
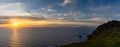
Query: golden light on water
x,y
15,39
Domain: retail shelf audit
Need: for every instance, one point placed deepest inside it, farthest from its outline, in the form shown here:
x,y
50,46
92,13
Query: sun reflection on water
x,y
15,39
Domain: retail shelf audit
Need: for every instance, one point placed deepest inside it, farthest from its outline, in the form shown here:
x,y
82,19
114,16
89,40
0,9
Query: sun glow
x,y
15,24
21,23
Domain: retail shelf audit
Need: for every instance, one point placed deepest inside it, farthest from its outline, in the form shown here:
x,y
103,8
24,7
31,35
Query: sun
x,y
15,24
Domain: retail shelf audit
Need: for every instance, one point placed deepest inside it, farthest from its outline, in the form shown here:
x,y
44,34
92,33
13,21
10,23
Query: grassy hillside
x,y
109,37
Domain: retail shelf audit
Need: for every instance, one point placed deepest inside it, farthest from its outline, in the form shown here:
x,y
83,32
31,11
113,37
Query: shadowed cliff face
x,y
105,35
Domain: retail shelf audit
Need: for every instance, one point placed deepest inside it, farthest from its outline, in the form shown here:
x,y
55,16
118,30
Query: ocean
x,y
42,36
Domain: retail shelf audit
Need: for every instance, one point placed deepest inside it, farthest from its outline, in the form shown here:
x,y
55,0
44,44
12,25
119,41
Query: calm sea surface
x,y
42,36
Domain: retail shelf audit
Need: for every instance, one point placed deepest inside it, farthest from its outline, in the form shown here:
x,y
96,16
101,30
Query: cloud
x,y
99,19
47,9
66,2
94,14
73,14
95,20
81,17
101,8
117,15
50,10
43,8
108,11
13,9
105,9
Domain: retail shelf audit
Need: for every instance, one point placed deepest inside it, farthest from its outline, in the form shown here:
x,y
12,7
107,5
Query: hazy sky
x,y
74,10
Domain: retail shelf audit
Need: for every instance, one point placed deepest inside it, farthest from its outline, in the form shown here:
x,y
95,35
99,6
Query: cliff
x,y
105,35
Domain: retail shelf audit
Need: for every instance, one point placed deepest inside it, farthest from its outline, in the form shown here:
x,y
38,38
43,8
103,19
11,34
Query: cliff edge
x,y
105,35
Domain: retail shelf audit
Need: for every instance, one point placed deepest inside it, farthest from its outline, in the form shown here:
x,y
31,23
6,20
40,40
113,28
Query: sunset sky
x,y
92,11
